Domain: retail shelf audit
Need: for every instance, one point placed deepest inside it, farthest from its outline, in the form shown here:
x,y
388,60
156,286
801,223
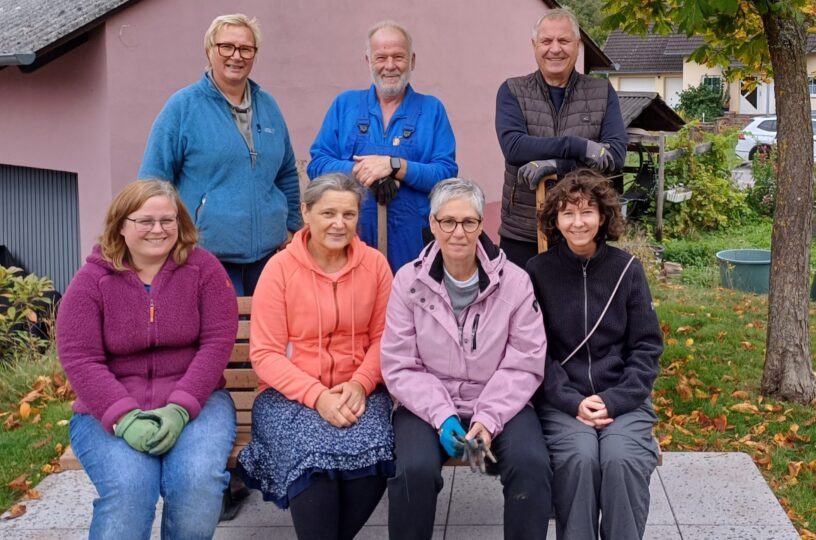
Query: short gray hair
x,y
315,189
457,188
558,13
388,23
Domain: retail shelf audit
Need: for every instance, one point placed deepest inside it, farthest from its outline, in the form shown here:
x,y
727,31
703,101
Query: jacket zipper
x,y
473,334
586,326
151,330
331,334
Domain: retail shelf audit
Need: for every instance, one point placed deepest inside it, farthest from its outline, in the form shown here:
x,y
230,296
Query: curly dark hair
x,y
576,185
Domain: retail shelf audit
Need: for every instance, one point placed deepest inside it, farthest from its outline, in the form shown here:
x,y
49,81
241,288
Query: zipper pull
x,y
473,335
152,311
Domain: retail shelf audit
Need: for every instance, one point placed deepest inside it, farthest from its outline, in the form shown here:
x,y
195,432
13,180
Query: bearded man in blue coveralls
x,y
391,139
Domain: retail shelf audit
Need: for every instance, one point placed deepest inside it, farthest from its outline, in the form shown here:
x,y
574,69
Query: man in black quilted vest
x,y
552,121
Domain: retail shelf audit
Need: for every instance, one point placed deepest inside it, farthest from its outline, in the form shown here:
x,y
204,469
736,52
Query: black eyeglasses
x,y
228,49
448,225
146,225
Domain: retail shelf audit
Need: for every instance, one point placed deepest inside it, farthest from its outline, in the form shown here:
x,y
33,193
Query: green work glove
x,y
172,419
137,428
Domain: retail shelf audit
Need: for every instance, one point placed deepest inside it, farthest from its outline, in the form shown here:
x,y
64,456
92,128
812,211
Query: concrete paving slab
x,y
661,532
737,532
660,513
720,488
711,495
477,499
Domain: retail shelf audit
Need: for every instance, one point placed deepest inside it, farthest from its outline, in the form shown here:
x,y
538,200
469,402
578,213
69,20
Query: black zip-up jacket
x,y
620,361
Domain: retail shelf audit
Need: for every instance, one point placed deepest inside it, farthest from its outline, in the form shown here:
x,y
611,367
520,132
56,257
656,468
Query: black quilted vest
x,y
581,114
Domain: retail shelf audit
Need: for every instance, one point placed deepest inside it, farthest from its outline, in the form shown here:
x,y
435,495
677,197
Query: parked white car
x,y
760,135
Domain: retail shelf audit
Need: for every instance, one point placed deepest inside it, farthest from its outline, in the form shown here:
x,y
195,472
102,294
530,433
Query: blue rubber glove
x,y
451,427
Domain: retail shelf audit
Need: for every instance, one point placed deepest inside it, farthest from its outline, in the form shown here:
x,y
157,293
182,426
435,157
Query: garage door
x,y
39,221
674,85
637,84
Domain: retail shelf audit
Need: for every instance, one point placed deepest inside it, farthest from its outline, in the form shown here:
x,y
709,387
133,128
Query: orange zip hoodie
x,y
310,332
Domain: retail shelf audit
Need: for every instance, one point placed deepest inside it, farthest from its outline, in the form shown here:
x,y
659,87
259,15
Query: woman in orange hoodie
x,y
321,431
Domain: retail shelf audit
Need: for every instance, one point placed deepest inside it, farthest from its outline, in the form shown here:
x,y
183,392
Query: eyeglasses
x,y
469,225
228,49
146,225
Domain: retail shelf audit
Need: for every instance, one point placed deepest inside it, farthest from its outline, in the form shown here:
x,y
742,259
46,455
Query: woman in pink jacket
x,y
463,352
321,432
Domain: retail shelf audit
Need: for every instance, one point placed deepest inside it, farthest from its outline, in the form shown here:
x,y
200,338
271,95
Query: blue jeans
x,y
191,477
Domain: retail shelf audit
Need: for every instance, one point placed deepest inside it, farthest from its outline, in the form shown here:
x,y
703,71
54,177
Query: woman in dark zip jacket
x,y
604,343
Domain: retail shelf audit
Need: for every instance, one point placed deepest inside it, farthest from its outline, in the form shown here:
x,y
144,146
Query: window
x,y
812,86
767,125
712,81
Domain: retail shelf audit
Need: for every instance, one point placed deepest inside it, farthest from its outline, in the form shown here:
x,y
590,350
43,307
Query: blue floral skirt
x,y
292,444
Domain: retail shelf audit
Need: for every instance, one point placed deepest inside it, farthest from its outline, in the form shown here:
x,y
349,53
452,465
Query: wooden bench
x,y
242,383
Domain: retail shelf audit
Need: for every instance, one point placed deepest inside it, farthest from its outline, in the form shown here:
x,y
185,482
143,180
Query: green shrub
x,y
762,196
24,305
716,202
703,102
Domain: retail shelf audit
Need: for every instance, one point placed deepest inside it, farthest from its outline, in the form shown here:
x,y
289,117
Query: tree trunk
x,y
788,373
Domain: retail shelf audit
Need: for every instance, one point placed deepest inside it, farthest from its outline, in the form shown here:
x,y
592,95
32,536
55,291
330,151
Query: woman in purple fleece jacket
x,y
144,333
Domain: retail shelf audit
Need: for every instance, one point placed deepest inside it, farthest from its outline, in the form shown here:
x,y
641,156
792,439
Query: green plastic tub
x,y
746,270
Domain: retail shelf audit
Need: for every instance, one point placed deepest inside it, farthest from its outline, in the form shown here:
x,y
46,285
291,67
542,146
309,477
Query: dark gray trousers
x,y
524,471
603,471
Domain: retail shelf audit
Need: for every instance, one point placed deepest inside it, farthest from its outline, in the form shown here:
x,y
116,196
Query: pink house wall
x,y
90,111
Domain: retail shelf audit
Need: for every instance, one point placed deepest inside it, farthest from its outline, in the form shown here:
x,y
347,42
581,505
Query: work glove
x,y
448,433
172,419
531,173
598,157
137,428
385,190
475,454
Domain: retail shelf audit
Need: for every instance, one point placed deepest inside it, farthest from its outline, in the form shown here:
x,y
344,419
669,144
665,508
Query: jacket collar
x,y
572,259
489,261
212,91
299,250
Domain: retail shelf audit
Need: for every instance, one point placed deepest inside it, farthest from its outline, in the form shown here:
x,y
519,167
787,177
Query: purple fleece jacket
x,y
117,359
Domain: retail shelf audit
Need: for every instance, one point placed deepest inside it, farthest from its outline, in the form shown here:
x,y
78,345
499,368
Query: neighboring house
x,y
655,63
82,80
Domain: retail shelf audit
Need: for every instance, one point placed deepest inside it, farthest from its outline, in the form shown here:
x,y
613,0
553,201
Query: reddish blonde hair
x,y
130,199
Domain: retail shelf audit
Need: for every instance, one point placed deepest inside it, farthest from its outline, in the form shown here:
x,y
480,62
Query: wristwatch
x,y
396,164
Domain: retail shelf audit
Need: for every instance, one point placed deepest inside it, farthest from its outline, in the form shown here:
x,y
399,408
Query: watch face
x,y
395,163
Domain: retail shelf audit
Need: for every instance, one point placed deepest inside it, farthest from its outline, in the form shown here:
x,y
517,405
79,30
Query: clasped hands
x,y
596,156
343,404
592,412
154,431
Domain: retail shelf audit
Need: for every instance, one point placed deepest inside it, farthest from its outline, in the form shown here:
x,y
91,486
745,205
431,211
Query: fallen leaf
x,y
11,422
25,410
721,335
739,394
31,396
684,329
36,419
794,467
745,408
671,342
19,483
684,391
47,468
62,423
747,345
728,378
16,511
720,422
759,429
32,494
58,448
41,443
773,408
689,342
665,440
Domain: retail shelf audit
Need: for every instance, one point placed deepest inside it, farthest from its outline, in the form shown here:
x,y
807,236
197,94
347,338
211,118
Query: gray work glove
x,y
598,157
531,173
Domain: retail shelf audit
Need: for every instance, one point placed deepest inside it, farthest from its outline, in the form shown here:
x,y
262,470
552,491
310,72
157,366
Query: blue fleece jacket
x,y
241,209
